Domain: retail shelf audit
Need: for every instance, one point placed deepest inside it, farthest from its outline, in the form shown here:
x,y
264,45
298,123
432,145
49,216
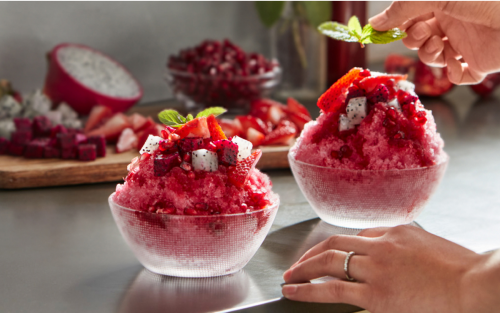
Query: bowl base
x,y
363,223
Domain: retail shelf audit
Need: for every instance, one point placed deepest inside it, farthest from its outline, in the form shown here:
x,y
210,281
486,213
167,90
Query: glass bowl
x,y
366,198
235,93
190,245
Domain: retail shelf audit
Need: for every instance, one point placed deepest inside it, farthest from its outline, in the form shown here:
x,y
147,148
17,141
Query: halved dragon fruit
x,y
204,160
244,147
83,77
151,144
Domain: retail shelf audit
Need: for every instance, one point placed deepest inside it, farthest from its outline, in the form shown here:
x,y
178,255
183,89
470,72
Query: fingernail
x,y
286,275
432,46
419,31
289,290
378,20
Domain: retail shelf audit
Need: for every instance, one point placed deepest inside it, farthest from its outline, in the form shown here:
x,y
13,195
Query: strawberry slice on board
x,y
255,136
215,130
228,127
282,135
112,128
248,121
238,175
334,97
138,121
127,141
97,116
296,107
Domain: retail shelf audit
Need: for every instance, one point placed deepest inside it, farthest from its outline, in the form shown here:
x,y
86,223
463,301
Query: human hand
x,y
463,36
400,269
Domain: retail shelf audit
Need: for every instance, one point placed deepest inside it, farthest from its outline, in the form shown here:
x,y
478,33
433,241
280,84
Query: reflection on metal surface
x,y
155,293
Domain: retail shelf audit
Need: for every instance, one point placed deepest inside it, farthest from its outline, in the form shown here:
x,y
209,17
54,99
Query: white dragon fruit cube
x,y
344,123
356,110
244,147
151,144
67,112
395,104
204,160
38,103
7,127
9,107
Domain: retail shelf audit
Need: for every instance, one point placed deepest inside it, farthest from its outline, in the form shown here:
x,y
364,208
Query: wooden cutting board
x,y
19,172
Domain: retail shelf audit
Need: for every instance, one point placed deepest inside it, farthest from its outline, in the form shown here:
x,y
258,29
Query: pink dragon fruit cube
x,y
87,152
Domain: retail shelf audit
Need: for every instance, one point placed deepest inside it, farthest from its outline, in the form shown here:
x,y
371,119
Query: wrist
x,y
480,285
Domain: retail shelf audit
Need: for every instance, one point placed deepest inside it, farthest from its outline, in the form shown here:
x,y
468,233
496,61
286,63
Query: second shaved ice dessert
x,y
373,157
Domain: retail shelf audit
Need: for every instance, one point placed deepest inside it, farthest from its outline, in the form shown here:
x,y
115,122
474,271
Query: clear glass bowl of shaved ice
x,y
367,198
193,245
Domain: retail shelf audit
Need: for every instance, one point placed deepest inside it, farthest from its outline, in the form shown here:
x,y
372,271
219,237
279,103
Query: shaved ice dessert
x,y
193,204
373,157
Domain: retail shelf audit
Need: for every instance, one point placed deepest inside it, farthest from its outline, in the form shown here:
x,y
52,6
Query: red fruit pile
x,y
38,138
128,132
218,73
269,122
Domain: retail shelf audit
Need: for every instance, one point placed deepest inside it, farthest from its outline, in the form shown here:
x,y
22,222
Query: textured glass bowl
x,y
202,91
366,198
193,246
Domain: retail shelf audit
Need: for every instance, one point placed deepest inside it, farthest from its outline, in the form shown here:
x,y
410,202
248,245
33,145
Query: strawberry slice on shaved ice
x,y
194,199
373,157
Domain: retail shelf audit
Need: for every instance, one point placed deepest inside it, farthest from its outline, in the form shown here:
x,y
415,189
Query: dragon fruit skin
x,y
164,163
100,144
151,144
227,151
87,152
244,147
204,160
4,145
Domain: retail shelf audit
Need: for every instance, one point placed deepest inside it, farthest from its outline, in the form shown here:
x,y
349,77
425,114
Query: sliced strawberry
x,y
215,130
282,135
261,109
97,115
195,128
296,107
369,83
248,121
148,124
144,134
228,127
299,119
334,97
238,175
127,141
112,128
255,136
137,121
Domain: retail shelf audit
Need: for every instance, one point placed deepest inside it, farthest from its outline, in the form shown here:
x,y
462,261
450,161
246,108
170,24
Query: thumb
x,y
400,12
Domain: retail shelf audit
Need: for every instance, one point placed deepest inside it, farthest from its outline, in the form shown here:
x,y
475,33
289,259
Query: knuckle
x,y
329,257
333,241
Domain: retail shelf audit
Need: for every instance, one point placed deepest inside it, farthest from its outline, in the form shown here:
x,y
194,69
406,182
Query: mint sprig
x,y
173,118
354,33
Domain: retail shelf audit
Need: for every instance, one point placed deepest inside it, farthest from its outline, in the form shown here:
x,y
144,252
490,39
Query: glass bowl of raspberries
x,y
193,204
373,157
216,73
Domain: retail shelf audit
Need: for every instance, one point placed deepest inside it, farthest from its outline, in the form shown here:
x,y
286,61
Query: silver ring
x,y
346,266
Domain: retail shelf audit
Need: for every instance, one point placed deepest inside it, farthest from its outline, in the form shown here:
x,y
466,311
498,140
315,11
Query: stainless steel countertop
x,y
61,251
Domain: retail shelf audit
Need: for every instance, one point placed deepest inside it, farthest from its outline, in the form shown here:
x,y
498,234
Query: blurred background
x,y
139,35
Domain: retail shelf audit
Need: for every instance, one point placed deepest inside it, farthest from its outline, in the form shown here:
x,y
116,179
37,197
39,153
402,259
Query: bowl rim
x,y
273,206
270,74
444,161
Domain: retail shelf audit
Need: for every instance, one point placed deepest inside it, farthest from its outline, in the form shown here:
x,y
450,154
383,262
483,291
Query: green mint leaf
x,y
337,31
317,12
214,110
269,11
355,27
377,37
171,118
189,117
